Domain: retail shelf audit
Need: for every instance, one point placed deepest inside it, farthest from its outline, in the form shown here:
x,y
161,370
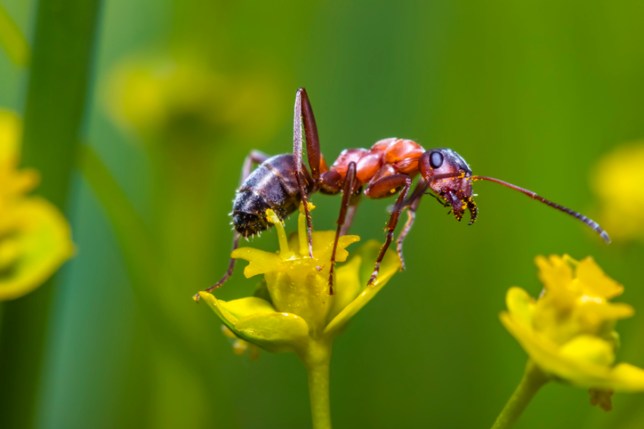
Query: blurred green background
x,y
533,92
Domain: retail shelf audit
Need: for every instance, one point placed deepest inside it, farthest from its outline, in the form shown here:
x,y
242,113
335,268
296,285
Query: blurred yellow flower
x,y
568,332
166,97
296,310
618,181
240,347
34,236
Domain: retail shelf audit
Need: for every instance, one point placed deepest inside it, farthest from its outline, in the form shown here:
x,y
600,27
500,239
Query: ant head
x,y
447,174
449,177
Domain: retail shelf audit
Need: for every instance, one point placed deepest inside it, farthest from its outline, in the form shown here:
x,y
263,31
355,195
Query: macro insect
x,y
386,169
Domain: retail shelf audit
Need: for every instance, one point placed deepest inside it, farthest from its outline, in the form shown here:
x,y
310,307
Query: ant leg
x,y
229,271
382,188
255,157
411,217
351,211
412,205
303,118
347,193
438,199
312,139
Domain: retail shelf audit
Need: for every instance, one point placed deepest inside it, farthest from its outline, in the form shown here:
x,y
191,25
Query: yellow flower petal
x,y
554,271
275,332
10,134
586,348
231,311
627,378
256,321
347,280
390,266
34,249
595,282
520,305
259,261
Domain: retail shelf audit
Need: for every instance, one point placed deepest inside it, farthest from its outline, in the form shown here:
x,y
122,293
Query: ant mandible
x,y
388,168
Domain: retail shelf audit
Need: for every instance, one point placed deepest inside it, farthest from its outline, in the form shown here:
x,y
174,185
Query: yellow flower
x,y
568,332
34,236
618,181
295,310
161,96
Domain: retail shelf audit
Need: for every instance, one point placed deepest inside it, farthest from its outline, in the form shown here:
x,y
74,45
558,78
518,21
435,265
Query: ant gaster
x,y
386,169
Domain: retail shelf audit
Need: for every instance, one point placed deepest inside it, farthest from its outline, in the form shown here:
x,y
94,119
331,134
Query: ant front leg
x,y
255,157
440,201
348,189
303,118
382,188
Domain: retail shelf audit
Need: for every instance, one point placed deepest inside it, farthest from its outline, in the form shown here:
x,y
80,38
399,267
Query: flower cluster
x,y
34,236
293,310
568,332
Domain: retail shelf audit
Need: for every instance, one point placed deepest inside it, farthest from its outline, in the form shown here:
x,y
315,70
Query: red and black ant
x,y
388,168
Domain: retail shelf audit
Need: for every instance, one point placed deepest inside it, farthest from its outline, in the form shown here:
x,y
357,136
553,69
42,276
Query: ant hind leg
x,y
255,157
304,121
348,189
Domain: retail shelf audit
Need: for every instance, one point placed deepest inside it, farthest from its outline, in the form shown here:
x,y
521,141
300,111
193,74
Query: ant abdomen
x,y
271,186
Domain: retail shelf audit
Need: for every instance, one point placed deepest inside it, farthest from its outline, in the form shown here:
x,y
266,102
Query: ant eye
x,y
436,159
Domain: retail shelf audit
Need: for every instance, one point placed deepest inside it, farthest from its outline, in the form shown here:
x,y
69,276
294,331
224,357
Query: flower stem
x,y
317,360
533,379
131,231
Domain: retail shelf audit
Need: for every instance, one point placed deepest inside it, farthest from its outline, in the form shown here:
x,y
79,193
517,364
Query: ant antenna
x,y
588,221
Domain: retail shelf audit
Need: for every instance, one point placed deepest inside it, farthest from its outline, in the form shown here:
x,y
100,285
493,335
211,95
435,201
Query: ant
x,y
388,168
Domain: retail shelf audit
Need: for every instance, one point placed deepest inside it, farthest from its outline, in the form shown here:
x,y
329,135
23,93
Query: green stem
x,y
317,361
144,267
135,241
54,112
140,253
533,379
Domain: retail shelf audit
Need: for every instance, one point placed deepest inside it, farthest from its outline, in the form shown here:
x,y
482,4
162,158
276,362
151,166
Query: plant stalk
x,y
533,379
317,361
